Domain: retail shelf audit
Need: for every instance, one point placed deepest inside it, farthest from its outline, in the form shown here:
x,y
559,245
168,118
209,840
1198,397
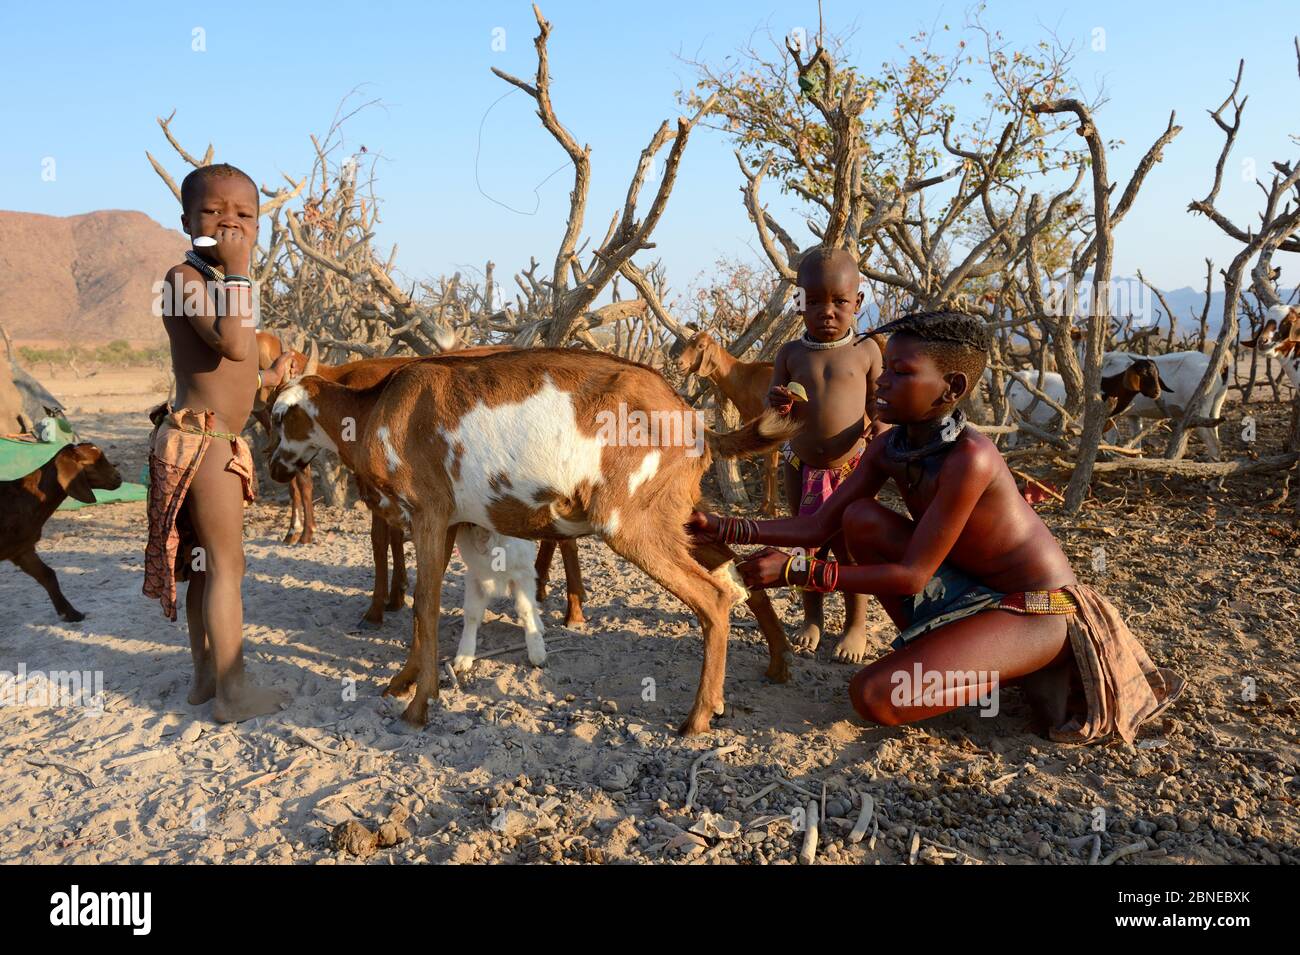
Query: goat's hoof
x,y
398,686
395,605
541,594
416,714
575,622
370,623
462,665
72,615
694,725
778,671
305,538
291,538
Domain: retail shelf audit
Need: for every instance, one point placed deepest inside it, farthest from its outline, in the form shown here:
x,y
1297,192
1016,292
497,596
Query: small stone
x,y
463,854
609,706
1044,849
392,833
1166,822
191,732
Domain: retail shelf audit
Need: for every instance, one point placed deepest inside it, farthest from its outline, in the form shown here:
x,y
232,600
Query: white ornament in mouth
x,y
204,242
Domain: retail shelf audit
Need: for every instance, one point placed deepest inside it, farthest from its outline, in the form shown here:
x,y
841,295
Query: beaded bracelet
x,y
238,280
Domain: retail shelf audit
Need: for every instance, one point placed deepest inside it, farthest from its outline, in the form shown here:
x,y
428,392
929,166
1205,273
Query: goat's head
x,y
1280,332
82,467
697,357
296,434
1143,377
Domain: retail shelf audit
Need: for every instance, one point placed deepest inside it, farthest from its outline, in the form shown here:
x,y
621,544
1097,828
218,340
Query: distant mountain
x,y
84,279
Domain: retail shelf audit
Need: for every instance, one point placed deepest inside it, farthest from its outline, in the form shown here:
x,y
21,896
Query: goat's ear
x,y
1076,335
1249,342
70,470
1132,380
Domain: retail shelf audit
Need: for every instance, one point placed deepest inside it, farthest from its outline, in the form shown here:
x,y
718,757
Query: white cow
x,y
498,566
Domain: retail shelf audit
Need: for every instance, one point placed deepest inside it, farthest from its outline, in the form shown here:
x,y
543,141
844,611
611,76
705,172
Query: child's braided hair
x,y
957,342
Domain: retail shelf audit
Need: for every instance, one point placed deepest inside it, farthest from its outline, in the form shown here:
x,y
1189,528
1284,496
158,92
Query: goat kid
x,y
518,442
497,566
27,503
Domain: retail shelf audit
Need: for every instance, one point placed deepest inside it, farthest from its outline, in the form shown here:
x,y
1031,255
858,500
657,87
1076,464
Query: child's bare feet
x,y
242,699
814,622
204,685
852,647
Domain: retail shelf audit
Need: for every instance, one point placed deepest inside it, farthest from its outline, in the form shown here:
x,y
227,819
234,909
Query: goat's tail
x,y
753,437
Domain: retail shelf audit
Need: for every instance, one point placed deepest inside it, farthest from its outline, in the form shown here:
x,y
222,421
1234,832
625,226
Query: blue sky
x,y
86,81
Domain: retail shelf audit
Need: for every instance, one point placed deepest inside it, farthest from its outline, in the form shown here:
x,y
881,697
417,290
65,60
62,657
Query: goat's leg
x,y
663,553
293,534
306,494
374,615
575,593
475,603
433,542
530,618
545,554
713,555
397,592
46,577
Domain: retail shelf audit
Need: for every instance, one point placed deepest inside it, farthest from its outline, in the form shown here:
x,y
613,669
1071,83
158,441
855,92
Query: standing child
x,y
200,469
838,379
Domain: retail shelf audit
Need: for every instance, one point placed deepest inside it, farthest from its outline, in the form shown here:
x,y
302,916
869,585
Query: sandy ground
x,y
577,761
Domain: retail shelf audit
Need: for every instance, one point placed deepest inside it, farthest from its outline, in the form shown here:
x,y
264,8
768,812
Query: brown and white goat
x,y
386,537
27,503
541,444
745,384
269,348
1280,338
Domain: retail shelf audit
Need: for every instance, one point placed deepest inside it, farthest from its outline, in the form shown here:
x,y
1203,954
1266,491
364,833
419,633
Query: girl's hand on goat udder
x,y
703,526
763,569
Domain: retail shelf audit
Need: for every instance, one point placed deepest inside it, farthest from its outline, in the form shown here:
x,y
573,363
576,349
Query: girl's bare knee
x,y
870,692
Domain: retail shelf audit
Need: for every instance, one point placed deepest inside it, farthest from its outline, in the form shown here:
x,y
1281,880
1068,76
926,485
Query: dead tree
x,y
569,300
1279,223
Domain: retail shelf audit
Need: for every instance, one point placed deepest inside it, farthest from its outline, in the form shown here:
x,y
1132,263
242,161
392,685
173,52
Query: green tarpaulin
x,y
18,458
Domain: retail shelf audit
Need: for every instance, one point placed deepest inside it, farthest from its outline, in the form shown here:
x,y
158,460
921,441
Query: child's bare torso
x,y
841,387
205,381
1004,545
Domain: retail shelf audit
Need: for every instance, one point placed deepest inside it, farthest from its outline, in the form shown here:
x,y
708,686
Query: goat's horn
x,y
312,361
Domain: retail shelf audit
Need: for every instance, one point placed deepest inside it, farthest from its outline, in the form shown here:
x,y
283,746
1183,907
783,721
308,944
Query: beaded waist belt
x,y
1039,602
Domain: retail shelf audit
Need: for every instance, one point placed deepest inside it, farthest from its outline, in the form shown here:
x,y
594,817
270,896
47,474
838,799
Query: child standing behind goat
x,y
838,377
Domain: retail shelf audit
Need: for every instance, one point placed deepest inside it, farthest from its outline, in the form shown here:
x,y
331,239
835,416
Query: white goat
x,y
498,566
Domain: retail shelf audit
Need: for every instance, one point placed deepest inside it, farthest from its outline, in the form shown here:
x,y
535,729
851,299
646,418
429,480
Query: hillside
x,y
84,279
